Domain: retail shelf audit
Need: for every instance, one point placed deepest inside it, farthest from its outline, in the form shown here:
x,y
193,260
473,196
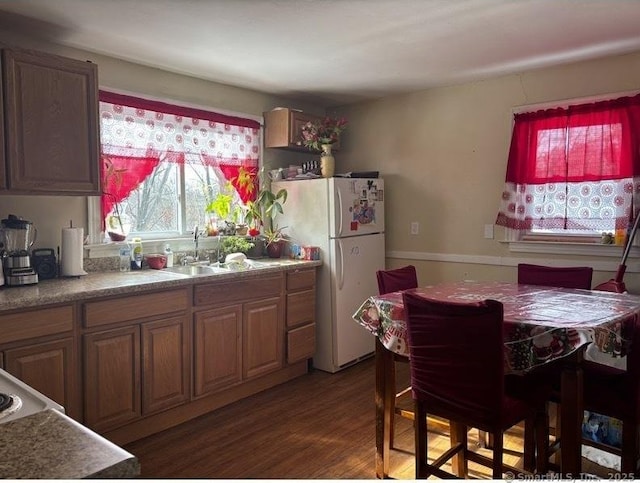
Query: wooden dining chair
x,y
547,380
457,373
393,280
566,277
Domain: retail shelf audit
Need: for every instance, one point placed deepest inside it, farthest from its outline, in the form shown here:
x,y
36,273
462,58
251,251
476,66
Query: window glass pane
x,y
153,206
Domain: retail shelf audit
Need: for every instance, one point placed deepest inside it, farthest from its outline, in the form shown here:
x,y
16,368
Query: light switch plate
x,y
488,232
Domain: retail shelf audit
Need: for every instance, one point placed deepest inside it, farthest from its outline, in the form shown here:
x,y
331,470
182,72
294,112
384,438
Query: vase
x,y
327,162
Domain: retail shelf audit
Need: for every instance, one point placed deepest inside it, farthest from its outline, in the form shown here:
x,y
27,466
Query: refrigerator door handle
x,y
339,221
340,265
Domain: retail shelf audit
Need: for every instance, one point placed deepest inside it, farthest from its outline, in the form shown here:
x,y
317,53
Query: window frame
x,y
98,243
531,241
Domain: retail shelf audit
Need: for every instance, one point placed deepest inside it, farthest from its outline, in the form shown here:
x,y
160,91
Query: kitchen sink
x,y
194,270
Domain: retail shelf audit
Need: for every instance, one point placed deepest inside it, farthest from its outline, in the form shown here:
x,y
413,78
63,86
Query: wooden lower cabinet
x,y
135,371
301,314
38,347
262,330
217,349
165,356
48,367
112,377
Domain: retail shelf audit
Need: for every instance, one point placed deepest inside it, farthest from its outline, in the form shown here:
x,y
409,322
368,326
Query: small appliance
x,y
17,236
44,263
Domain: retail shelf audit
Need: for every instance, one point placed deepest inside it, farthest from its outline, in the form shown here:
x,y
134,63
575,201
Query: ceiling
x,y
335,51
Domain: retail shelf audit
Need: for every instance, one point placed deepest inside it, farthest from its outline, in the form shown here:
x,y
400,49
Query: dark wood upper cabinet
x,y
51,124
3,172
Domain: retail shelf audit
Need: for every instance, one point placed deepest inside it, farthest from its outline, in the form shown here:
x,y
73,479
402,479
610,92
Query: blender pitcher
x,y
17,236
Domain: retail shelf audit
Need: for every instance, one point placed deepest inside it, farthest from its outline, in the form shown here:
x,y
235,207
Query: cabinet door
x,y
112,377
3,172
49,368
165,352
217,349
299,119
263,336
51,109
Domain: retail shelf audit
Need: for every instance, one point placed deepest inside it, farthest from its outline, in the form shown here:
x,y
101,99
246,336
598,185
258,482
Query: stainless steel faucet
x,y
196,236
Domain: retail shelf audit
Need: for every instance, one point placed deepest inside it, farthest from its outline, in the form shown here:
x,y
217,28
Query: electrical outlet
x,y
488,232
415,227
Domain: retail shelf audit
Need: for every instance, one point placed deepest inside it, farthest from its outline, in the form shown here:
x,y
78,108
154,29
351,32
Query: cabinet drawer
x,y
298,279
225,292
35,323
135,307
301,343
301,307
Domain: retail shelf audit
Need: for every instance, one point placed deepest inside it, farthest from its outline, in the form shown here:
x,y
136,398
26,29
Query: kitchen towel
x,y
72,252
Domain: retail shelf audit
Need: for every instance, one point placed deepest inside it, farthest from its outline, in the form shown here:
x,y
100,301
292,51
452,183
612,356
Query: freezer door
x,y
355,261
356,206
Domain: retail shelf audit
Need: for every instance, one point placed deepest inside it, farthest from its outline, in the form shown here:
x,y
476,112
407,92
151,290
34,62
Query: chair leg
x,y
542,440
498,450
392,399
529,458
459,463
420,425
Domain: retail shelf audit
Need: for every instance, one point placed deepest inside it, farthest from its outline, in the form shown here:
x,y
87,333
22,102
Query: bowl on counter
x,y
157,261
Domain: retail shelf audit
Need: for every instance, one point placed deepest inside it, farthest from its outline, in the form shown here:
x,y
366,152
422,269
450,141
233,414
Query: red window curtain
x,y
576,168
136,134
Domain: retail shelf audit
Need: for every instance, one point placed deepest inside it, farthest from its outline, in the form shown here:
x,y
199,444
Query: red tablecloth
x,y
541,323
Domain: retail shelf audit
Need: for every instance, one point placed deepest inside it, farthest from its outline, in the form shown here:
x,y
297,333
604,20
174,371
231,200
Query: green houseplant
x,y
233,244
262,212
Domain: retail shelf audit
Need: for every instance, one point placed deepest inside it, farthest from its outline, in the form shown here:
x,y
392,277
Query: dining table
x,y
541,324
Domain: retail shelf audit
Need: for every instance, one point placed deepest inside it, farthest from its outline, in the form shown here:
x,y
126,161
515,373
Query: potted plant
x,y
221,205
267,205
275,241
233,244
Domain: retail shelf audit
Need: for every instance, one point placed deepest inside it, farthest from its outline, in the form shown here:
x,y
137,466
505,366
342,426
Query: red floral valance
x,y
136,134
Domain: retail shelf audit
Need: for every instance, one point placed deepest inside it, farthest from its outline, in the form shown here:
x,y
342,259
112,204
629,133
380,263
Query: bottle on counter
x,y
136,253
169,253
125,257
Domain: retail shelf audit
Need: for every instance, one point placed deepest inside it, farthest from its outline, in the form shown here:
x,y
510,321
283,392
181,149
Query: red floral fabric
x,y
576,168
135,134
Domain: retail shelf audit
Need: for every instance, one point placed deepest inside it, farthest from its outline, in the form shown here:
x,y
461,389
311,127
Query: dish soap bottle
x,y
169,253
136,253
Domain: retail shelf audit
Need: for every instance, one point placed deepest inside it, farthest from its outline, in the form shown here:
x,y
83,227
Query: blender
x,y
17,236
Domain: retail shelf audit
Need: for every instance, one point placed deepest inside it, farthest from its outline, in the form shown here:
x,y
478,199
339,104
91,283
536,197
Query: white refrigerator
x,y
344,217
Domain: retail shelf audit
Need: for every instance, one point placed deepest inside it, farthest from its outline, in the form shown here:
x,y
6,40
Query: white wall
x,y
443,154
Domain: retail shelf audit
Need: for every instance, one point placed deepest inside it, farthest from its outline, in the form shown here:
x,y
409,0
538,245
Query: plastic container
x,y
125,258
136,253
169,253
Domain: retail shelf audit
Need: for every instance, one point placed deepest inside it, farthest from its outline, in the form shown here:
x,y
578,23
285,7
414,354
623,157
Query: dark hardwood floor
x,y
317,426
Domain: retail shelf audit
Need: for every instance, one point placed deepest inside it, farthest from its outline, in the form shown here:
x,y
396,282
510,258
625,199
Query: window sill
x,y
571,248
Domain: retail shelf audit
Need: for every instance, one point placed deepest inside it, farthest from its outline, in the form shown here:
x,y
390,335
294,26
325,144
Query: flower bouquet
x,y
327,131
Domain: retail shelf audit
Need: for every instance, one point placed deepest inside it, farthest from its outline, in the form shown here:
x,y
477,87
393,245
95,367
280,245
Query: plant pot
x,y
258,248
274,249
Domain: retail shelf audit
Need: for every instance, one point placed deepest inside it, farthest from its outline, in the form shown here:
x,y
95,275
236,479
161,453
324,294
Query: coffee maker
x,y
17,236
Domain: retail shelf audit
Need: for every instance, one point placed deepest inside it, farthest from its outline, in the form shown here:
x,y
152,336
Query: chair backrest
x,y
565,277
397,279
456,356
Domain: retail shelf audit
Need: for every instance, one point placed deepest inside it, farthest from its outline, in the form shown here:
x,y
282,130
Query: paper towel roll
x,y
72,252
